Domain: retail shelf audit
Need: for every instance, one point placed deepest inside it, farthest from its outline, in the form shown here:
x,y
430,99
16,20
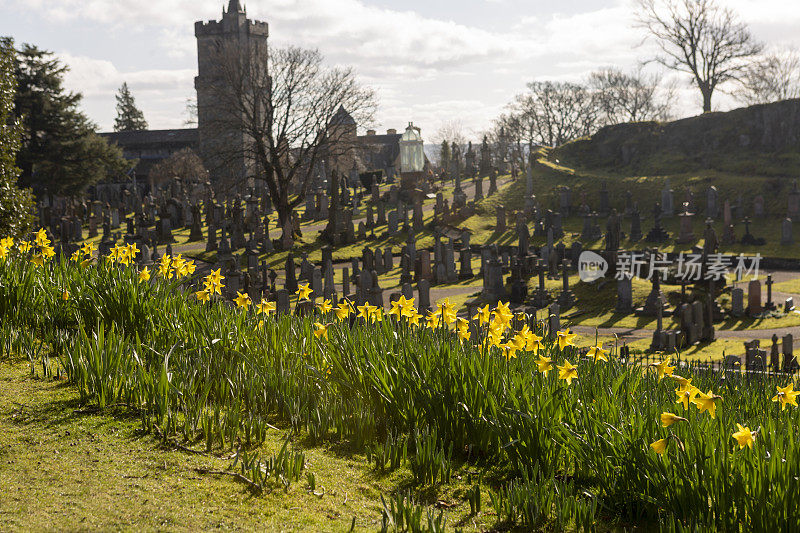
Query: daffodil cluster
x,y
212,284
123,254
175,266
84,254
39,251
706,402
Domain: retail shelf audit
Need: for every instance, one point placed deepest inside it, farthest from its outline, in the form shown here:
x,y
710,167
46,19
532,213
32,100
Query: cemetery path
x,y
632,333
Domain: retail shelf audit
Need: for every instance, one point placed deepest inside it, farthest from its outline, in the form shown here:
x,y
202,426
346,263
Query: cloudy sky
x,y
431,61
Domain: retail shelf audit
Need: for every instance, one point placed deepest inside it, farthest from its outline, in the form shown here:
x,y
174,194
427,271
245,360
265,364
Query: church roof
x,y
342,118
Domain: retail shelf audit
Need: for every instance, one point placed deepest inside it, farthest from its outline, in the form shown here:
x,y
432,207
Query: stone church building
x,y
374,152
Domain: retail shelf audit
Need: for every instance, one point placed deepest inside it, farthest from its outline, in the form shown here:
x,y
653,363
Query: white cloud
x,y
159,93
428,70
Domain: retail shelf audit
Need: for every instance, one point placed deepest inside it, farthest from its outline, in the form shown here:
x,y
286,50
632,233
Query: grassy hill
x,y
761,139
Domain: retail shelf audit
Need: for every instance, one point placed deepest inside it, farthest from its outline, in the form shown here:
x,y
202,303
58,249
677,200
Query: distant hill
x,y
762,140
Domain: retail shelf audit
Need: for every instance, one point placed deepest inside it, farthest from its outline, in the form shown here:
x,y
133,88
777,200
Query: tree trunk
x,y
707,91
283,209
333,208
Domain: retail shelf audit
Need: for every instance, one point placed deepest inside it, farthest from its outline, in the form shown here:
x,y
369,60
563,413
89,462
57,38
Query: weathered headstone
x,y
754,297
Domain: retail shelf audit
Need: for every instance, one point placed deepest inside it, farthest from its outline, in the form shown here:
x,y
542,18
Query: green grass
x,y
68,466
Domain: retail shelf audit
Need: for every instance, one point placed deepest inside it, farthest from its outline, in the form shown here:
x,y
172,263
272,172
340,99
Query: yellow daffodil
x,y
744,437
164,267
686,394
304,291
204,295
433,320
598,353
503,313
414,318
544,364
133,250
242,300
320,330
65,295
265,307
3,252
533,343
565,338
24,247
88,248
7,242
41,238
682,381
407,306
37,259
215,276
484,315
364,312
705,401
48,252
667,419
663,368
567,372
343,311
396,310
660,446
462,328
509,350
325,306
447,311
786,395
144,274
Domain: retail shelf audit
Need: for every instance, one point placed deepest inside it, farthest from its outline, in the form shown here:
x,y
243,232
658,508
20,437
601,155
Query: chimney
x,y
391,131
370,133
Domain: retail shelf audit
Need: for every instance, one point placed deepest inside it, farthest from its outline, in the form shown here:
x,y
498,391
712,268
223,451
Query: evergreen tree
x,y
15,204
60,153
129,117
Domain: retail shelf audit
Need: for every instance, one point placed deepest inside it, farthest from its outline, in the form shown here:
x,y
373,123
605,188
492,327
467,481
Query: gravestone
x,y
624,295
789,360
754,297
758,206
423,296
712,202
774,354
500,225
686,235
786,232
667,206
393,222
737,302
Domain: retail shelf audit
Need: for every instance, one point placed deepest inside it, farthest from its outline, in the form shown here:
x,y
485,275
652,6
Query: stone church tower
x,y
222,146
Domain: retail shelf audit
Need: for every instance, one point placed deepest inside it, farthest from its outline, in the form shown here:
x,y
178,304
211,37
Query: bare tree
x,y
700,38
295,114
184,164
449,132
631,96
552,113
775,77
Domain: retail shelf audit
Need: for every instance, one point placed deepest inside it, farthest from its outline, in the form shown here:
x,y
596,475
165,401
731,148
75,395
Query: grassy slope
x,y
67,470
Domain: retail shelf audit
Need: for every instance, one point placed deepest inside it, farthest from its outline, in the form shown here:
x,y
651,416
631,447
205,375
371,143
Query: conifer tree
x,y
60,153
129,117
